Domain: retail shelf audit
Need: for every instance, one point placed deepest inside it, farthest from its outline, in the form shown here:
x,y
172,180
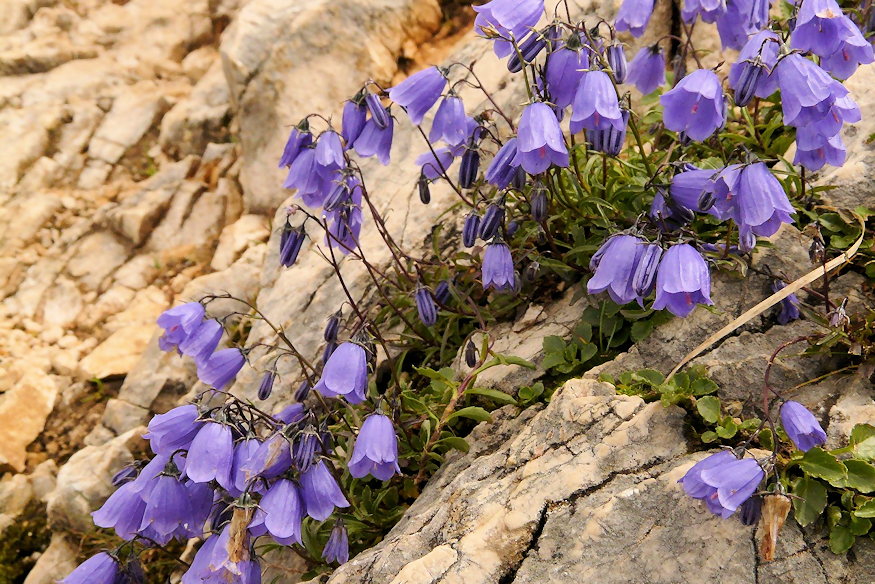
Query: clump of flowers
x,y
229,473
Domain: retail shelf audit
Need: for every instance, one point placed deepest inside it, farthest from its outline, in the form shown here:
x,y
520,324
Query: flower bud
x,y
338,196
378,113
539,204
531,46
329,349
442,291
302,392
470,354
266,385
492,220
751,72
519,179
616,58
469,167
706,201
817,251
332,327
838,318
644,277
425,306
747,241
125,475
292,245
424,190
530,274
751,510
470,229
512,228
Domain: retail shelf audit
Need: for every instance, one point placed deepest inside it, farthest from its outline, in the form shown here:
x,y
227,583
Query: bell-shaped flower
x,y
853,51
708,10
419,92
221,369
507,19
283,510
816,151
692,481
734,482
272,458
760,204
821,27
345,374
688,187
329,153
211,455
300,138
202,342
741,19
789,310
618,260
596,106
683,280
498,272
376,141
633,16
243,453
167,506
807,91
425,306
100,568
320,492
122,511
173,430
502,169
375,451
695,106
764,45
450,123
801,426
564,69
179,323
355,114
540,143
337,547
647,69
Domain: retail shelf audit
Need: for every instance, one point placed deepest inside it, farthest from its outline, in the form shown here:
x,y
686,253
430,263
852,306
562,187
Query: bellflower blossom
x,y
173,430
419,92
565,68
375,451
122,511
789,305
801,426
596,106
345,373
211,454
723,482
502,169
508,19
100,568
633,16
498,272
376,141
179,323
283,510
815,154
807,91
355,114
647,69
299,139
220,369
618,259
337,547
764,45
760,204
682,281
320,492
202,342
821,28
853,51
695,106
742,18
708,10
540,142
436,164
450,123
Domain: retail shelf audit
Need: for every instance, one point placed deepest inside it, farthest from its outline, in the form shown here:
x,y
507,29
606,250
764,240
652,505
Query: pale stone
x,y
237,238
24,409
131,116
61,304
96,257
56,562
116,355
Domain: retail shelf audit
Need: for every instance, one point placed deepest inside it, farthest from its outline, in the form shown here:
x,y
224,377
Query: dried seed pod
x,y
775,510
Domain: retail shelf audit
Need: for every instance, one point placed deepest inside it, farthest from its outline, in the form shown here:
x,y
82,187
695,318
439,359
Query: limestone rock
x,y
281,60
24,409
57,561
133,113
238,237
96,257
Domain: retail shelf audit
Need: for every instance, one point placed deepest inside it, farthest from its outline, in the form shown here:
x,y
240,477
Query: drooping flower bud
x,y
498,270
425,306
530,274
470,354
305,448
422,186
355,114
644,277
519,178
748,81
492,220
292,246
539,204
329,350
616,58
442,291
378,113
302,392
266,385
469,167
337,547
751,510
512,228
470,229
789,305
801,426
299,139
125,475
529,49
332,327
747,241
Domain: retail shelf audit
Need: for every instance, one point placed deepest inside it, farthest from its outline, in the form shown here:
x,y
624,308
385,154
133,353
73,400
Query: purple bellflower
x,y
565,68
100,568
821,27
801,426
376,449
376,141
202,342
450,123
419,92
760,204
272,458
618,260
647,69
807,91
682,281
498,272
633,16
299,139
668,212
688,187
596,106
220,369
320,492
764,45
329,153
470,229
243,453
173,430
502,170
540,142
817,152
355,114
436,164
507,19
708,10
695,106
742,18
122,511
179,323
167,506
211,455
723,482
337,547
789,305
609,141
345,374
283,510
425,306
853,51
616,58
644,276
493,219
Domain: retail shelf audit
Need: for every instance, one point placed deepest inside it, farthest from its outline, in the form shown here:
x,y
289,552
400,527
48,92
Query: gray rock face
x,y
275,49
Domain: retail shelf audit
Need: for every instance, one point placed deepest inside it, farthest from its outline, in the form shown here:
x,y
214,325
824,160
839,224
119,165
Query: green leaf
x,y
820,463
703,386
651,376
863,440
434,375
554,344
587,352
709,436
474,413
861,476
766,439
811,500
840,539
493,394
641,330
728,429
514,360
867,509
859,525
455,443
552,360
709,408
